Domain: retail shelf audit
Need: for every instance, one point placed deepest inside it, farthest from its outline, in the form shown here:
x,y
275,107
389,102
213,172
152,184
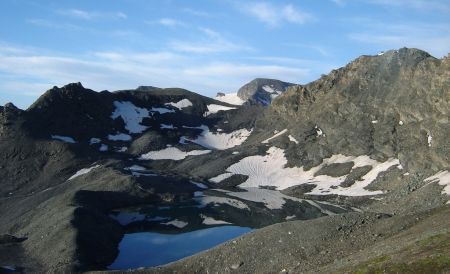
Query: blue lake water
x,y
147,249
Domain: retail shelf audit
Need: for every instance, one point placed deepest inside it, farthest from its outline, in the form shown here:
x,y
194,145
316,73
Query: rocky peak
x,y
262,91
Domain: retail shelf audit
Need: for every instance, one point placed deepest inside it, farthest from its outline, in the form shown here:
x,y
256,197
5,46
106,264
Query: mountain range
x,y
348,173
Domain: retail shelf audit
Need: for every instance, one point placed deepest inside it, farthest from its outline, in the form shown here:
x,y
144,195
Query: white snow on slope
x,y
65,139
94,141
273,92
131,115
204,201
275,136
219,140
180,104
270,170
162,110
213,108
176,223
166,126
171,153
292,139
119,137
443,179
200,185
82,172
230,98
211,221
103,147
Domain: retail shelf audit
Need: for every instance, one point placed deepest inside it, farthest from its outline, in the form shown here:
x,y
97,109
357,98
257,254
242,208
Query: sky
x,y
204,46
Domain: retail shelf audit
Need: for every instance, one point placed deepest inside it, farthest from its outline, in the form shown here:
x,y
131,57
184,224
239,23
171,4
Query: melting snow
x,y
292,139
275,136
171,153
429,139
375,122
400,122
219,141
204,201
119,137
103,147
213,108
176,223
131,115
230,98
65,139
211,221
270,170
82,172
442,178
180,104
94,141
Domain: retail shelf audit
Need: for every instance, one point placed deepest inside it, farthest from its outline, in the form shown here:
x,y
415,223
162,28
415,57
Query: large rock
x,y
262,91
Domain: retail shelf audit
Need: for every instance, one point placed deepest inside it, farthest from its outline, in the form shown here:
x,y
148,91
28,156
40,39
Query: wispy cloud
x,y
432,38
420,5
54,25
124,69
168,22
198,13
273,15
212,42
89,15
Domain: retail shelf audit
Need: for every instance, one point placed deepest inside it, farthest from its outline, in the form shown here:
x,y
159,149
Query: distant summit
x,y
262,91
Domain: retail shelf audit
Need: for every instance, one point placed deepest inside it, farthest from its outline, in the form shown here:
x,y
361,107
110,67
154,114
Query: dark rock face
x,y
262,91
386,106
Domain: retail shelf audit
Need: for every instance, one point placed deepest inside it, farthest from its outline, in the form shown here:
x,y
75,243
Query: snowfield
x,y
171,153
65,139
131,115
213,108
180,104
211,221
270,170
162,110
443,179
230,98
82,172
219,140
215,200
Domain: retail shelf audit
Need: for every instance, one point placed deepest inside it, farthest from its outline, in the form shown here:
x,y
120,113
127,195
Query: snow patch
x,y
270,170
166,126
131,115
374,121
176,223
292,139
443,179
400,122
65,139
171,153
204,201
119,137
180,104
213,108
219,140
103,147
82,172
230,98
429,139
275,136
200,185
94,141
211,221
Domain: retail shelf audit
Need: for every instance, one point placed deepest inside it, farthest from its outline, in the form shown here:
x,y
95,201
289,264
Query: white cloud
x,y
275,15
89,15
31,72
198,13
169,22
214,42
424,5
433,38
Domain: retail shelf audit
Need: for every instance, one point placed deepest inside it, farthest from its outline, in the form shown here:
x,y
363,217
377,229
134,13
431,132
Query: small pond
x,y
148,249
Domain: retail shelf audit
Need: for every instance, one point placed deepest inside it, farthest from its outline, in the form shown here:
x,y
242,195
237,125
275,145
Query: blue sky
x,y
205,46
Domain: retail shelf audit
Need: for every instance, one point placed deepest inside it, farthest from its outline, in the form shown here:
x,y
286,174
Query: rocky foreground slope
x,y
357,161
